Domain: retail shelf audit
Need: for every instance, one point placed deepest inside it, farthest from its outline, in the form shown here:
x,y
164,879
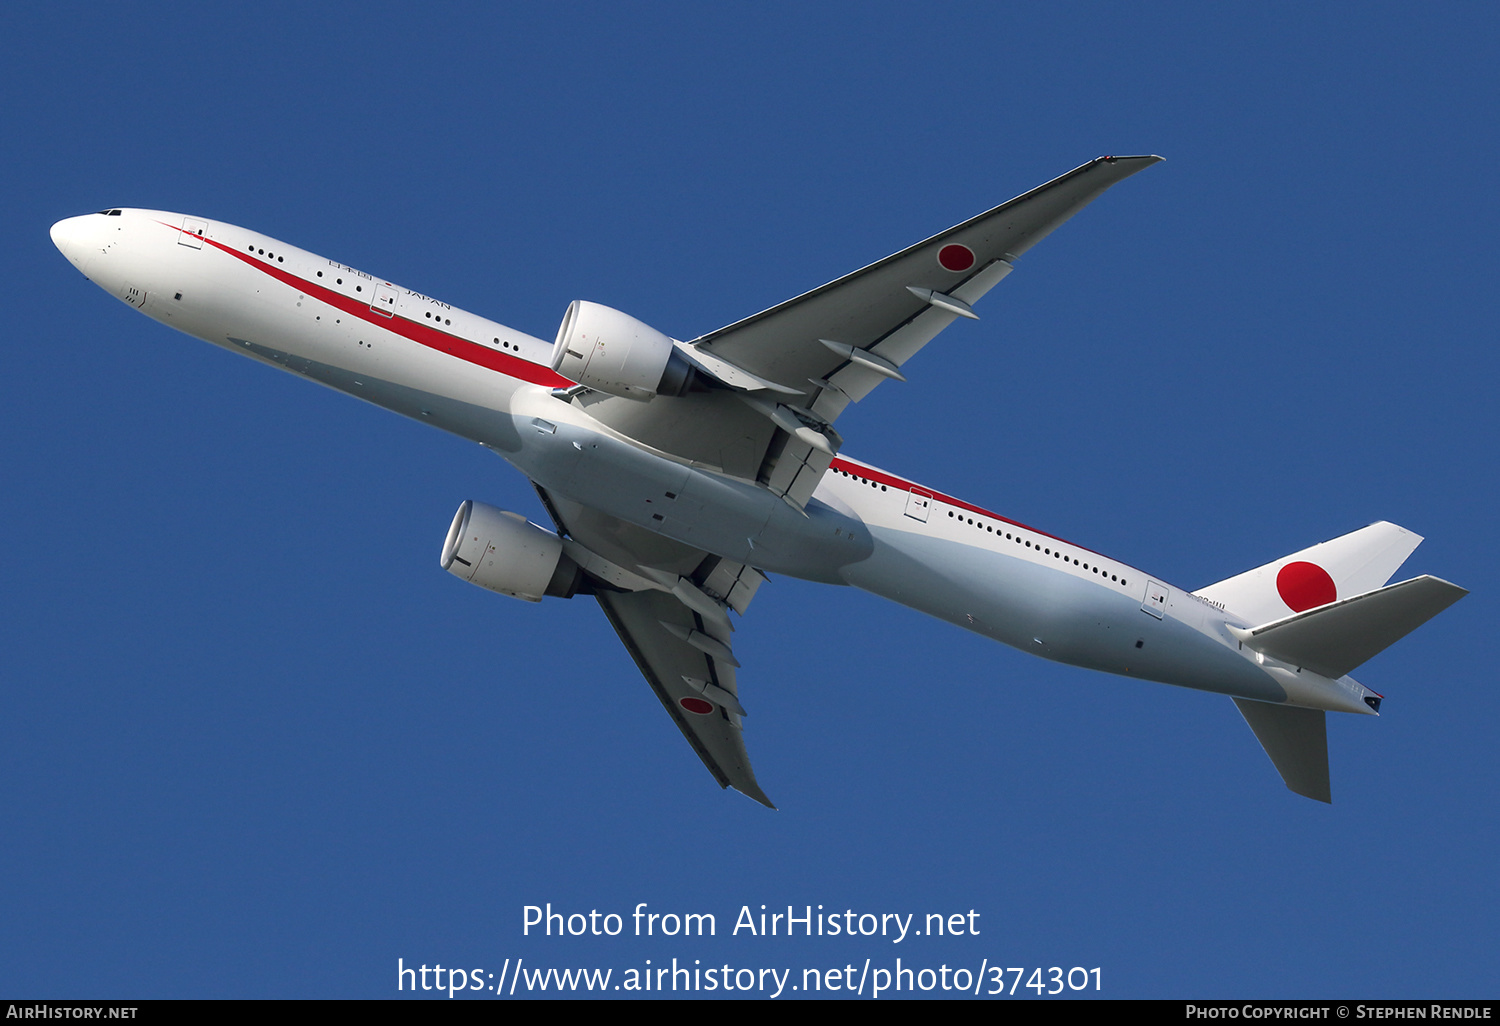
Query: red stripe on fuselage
x,y
422,334
525,370
891,481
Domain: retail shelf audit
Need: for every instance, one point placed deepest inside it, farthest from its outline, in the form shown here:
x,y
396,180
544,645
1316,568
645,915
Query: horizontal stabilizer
x,y
1334,639
1296,740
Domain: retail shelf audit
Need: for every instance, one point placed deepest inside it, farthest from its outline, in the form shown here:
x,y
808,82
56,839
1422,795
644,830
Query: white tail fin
x,y
1342,568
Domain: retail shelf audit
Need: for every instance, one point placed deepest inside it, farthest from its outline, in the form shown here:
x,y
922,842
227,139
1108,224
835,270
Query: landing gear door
x,y
918,503
1156,599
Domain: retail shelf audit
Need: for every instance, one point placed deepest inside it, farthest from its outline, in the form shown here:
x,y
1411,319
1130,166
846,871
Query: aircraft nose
x,y
68,236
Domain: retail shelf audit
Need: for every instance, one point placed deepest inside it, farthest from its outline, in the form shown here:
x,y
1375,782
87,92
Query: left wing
x,y
695,687
670,606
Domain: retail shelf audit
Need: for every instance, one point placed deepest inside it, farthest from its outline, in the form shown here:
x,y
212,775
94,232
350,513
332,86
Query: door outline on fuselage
x,y
384,300
192,233
1155,602
918,503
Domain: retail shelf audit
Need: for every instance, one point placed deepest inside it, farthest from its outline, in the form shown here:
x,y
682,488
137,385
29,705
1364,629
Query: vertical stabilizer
x,y
1349,565
1297,742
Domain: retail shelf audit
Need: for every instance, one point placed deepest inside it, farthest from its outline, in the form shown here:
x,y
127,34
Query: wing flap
x,y
734,584
793,468
853,381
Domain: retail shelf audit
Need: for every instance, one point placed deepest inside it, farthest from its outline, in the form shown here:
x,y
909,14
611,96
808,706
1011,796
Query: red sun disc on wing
x,y
954,257
1305,586
696,705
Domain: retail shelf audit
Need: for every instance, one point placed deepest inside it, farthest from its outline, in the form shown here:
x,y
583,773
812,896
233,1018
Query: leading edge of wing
x,y
667,661
686,660
1098,175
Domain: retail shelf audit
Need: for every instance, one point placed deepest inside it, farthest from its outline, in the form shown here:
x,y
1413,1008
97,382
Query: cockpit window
x,y
108,213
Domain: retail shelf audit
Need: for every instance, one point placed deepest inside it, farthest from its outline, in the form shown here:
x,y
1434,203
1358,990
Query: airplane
x,y
679,476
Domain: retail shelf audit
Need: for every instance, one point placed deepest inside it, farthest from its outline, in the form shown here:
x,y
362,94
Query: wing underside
x,y
670,606
686,680
835,343
783,376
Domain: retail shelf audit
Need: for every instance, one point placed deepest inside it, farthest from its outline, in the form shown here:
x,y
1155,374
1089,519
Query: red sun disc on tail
x,y
696,705
956,258
1305,586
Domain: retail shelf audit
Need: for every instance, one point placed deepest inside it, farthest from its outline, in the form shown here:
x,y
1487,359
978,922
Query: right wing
x,y
837,342
783,376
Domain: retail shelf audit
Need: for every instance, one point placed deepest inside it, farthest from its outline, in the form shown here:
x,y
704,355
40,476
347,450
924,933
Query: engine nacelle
x,y
613,352
505,552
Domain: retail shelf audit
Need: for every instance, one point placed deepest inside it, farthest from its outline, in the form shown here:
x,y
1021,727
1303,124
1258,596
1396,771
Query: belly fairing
x,y
567,453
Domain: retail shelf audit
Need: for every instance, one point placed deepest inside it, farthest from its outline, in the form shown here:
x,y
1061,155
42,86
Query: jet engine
x,y
505,552
613,352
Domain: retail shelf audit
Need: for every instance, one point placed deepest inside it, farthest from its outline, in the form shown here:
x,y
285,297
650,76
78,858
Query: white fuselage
x,y
492,384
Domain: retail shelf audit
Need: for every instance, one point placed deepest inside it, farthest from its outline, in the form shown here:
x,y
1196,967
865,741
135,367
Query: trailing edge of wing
x,y
687,680
681,648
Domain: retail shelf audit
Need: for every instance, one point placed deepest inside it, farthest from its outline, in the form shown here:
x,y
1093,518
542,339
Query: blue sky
x,y
253,741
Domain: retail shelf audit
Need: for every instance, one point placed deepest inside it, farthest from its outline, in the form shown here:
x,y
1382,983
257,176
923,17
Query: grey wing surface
x,y
780,378
893,307
669,604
